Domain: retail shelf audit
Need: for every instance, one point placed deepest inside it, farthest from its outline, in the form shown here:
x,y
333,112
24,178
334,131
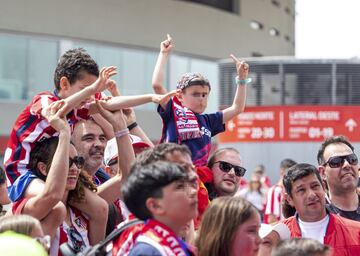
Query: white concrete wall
x,y
197,29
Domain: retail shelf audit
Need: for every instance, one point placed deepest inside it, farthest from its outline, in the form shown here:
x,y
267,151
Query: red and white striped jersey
x,y
29,128
273,203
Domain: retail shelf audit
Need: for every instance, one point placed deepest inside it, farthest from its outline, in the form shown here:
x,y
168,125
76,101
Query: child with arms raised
x,y
77,79
183,118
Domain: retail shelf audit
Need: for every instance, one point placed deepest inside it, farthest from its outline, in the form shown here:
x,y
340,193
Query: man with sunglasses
x,y
225,165
338,165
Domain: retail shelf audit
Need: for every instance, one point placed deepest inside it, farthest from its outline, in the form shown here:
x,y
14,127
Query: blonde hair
x,y
22,224
219,225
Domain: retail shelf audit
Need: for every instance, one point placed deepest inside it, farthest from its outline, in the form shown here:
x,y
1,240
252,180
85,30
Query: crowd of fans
x,y
83,177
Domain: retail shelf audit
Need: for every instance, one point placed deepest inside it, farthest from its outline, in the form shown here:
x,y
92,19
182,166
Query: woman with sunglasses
x,y
225,165
56,171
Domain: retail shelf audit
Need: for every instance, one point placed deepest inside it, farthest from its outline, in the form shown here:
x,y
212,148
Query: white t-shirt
x,y
315,230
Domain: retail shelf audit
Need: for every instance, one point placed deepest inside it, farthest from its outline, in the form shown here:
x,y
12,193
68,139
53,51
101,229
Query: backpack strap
x,y
100,248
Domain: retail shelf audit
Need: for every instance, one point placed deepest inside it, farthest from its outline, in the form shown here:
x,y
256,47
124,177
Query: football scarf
x,y
186,123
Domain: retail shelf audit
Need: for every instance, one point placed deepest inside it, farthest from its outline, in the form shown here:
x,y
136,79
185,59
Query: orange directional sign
x,y
293,123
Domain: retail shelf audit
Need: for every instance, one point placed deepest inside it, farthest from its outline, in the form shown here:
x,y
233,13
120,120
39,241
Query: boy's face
x,y
179,202
195,97
85,80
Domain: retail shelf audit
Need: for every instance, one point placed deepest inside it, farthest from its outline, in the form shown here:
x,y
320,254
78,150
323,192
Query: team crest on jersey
x,y
181,114
80,222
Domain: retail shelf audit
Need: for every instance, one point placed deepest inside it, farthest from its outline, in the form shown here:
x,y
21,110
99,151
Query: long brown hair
x,y
44,152
219,225
78,194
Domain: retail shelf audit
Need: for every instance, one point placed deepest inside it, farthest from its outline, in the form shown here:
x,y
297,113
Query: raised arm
x,y
121,102
41,204
159,70
238,106
72,101
111,189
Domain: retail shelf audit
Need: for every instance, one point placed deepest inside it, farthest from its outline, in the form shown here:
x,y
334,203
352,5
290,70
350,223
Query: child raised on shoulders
x,y
182,115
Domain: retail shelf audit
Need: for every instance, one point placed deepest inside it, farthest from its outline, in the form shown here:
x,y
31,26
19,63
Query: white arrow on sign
x,y
350,124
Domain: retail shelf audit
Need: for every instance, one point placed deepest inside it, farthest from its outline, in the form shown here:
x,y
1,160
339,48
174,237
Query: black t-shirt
x,y
352,215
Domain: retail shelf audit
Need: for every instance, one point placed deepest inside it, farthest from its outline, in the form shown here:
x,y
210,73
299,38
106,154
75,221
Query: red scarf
x,y
155,232
186,123
204,176
125,242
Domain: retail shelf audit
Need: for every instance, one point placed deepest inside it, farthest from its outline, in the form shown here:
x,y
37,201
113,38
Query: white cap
x,y
279,228
111,151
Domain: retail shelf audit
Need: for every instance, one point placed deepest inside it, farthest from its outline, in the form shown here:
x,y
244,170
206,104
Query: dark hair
x,y
2,176
332,140
287,163
77,195
146,181
160,152
299,171
72,65
300,247
286,209
43,152
212,159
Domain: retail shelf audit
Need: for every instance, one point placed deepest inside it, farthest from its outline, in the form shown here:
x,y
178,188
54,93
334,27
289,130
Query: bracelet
x,y
132,126
242,81
121,133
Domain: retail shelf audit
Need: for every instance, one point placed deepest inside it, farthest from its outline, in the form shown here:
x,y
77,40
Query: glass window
x,y
135,67
42,62
178,65
13,68
27,66
226,5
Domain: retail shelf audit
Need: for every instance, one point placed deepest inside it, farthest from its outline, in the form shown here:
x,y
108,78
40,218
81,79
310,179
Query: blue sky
x,y
327,28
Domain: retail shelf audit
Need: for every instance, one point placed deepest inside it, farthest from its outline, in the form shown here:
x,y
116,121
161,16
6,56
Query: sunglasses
x,y
79,161
113,161
338,161
226,167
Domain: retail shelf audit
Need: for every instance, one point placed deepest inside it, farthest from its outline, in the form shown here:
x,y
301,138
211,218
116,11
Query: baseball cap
x,y
279,228
111,151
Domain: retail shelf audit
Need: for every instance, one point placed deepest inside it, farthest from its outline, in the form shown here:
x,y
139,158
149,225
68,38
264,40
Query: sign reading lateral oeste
x,y
293,123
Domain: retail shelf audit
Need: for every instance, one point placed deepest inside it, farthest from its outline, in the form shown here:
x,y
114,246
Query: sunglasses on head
x,y
338,161
226,167
79,161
